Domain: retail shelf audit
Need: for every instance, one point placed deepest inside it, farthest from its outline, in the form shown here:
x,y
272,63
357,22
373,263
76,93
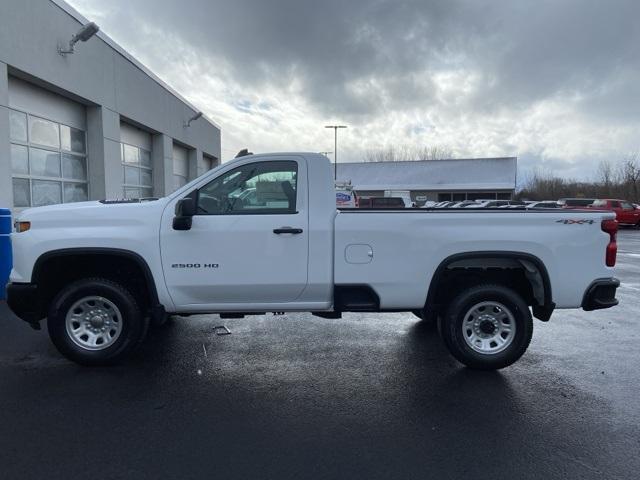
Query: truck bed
x,y
397,251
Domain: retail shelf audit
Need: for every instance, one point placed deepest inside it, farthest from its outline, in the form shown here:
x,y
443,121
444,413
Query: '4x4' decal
x,y
575,222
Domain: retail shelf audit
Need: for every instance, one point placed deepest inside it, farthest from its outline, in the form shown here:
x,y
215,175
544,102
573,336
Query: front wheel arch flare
x,y
39,273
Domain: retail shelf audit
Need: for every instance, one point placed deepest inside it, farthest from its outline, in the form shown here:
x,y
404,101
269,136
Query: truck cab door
x,y
247,247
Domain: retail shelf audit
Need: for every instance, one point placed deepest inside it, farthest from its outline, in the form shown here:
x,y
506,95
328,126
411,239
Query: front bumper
x,y
601,294
24,302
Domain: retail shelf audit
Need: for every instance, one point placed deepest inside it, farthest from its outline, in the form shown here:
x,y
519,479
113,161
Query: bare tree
x,y
605,176
405,153
436,152
622,181
631,174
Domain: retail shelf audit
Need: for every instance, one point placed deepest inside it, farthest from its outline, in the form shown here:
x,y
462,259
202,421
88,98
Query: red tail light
x,y
611,227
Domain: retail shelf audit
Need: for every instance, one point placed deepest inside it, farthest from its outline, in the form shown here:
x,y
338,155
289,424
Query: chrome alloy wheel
x,y
94,323
488,327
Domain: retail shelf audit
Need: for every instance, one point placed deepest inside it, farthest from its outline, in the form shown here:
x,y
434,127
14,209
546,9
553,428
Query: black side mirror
x,y
186,207
185,210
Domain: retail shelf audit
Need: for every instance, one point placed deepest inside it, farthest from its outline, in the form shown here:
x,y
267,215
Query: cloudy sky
x,y
555,82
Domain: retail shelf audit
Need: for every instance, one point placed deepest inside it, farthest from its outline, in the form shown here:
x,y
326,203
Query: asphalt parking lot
x,y
295,396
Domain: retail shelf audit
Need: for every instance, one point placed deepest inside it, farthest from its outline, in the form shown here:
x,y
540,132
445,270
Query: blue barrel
x,y
5,250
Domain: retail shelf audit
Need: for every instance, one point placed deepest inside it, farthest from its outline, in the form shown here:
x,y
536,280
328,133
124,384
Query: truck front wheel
x,y
487,327
95,321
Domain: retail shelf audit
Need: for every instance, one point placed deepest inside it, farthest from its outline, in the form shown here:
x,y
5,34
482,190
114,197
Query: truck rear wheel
x,y
487,327
95,321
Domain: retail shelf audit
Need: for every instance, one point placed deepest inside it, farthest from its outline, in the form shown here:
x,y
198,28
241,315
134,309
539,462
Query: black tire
x,y
133,330
451,327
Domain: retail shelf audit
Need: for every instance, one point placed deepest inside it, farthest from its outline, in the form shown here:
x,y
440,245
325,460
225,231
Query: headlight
x,y
22,226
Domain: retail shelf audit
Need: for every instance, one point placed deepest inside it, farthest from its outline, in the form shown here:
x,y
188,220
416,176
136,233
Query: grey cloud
x,y
524,51
562,48
363,61
327,46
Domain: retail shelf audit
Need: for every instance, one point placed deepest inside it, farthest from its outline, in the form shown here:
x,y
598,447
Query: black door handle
x,y
294,231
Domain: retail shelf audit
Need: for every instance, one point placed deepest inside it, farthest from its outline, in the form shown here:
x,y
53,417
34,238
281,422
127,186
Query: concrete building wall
x,y
97,89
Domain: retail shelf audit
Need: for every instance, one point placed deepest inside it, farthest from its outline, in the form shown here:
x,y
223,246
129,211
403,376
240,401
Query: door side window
x,y
254,188
615,204
626,206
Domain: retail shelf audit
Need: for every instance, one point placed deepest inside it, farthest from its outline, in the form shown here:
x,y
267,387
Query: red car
x,y
626,213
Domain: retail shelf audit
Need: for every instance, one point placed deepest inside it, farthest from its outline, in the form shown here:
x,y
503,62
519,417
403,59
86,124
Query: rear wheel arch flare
x,y
535,271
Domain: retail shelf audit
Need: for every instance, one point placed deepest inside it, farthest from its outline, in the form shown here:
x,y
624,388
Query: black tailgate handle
x,y
281,230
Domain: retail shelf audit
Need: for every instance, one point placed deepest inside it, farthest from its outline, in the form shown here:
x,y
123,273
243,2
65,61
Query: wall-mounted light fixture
x,y
85,33
195,117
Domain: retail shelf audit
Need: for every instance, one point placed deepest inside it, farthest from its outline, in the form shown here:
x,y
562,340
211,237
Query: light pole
x,y
335,148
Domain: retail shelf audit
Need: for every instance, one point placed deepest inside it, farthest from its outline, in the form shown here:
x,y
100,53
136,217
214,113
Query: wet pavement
x,y
295,396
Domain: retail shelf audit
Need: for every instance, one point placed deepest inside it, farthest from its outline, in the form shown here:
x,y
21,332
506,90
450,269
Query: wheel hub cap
x,y
488,327
94,323
97,321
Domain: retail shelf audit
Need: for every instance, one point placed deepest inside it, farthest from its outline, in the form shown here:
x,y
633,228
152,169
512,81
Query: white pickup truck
x,y
102,271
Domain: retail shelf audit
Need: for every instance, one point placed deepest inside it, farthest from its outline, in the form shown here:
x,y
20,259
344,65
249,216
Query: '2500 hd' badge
x,y
194,265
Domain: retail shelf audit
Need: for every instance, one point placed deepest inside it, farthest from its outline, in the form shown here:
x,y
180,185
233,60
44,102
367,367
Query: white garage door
x,y
180,166
137,172
48,146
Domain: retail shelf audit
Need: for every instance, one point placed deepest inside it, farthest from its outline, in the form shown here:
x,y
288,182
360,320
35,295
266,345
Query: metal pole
x,y
335,154
335,148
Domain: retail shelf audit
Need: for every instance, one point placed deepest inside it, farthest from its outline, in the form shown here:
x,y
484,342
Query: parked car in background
x,y
408,203
382,202
489,204
513,204
464,204
543,204
445,204
626,213
405,195
575,202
